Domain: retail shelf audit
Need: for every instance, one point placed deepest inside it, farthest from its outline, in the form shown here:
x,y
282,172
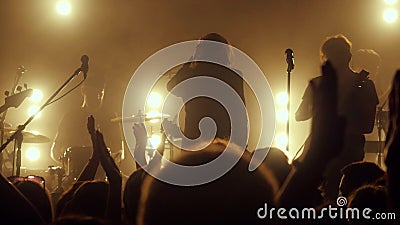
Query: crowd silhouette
x,y
342,106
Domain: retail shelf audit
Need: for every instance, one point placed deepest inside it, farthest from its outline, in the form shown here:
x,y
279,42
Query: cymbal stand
x,y
17,149
380,128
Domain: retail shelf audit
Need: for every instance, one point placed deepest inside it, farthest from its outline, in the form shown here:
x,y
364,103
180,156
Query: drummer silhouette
x,y
72,142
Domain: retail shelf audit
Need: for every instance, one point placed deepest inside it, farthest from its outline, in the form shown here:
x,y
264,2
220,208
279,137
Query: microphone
x,y
85,65
289,59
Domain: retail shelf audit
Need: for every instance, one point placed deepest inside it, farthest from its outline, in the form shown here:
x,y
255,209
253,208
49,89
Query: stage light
x,y
37,95
63,7
154,100
282,115
153,114
155,140
33,109
281,141
390,15
390,2
32,154
34,132
282,98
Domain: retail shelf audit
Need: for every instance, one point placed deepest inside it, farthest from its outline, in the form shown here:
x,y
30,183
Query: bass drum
x,y
75,159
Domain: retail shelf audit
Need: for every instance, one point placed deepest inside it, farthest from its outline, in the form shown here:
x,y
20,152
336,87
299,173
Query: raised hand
x,y
91,125
140,133
89,171
107,162
92,131
113,212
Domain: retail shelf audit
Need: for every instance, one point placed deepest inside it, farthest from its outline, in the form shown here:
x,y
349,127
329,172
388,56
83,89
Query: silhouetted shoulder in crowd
x,y
234,198
278,162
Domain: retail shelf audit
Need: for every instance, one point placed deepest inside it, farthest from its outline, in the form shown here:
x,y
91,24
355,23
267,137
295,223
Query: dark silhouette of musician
x,y
201,107
370,61
72,128
357,101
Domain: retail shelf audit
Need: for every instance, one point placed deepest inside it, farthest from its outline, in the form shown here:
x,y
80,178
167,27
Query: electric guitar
x,y
15,100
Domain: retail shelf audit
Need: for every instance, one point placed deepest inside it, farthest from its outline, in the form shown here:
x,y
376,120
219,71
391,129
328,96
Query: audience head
x,y
132,195
233,198
78,220
38,195
89,199
368,196
277,161
337,49
358,174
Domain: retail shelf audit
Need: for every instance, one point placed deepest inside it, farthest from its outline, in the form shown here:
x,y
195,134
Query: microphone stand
x,y
290,62
17,135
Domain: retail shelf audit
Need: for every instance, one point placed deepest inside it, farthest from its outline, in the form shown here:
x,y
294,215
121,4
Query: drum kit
x,y
10,159
74,158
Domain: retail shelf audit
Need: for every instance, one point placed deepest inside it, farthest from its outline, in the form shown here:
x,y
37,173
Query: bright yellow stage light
x,y
63,7
37,95
281,141
32,154
390,15
282,115
154,114
155,140
390,2
282,98
33,109
154,100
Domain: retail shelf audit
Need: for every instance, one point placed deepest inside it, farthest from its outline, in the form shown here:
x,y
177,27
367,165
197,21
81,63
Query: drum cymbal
x,y
140,118
30,137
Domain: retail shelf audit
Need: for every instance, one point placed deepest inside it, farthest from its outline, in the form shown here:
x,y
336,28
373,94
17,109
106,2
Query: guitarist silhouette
x,y
357,100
